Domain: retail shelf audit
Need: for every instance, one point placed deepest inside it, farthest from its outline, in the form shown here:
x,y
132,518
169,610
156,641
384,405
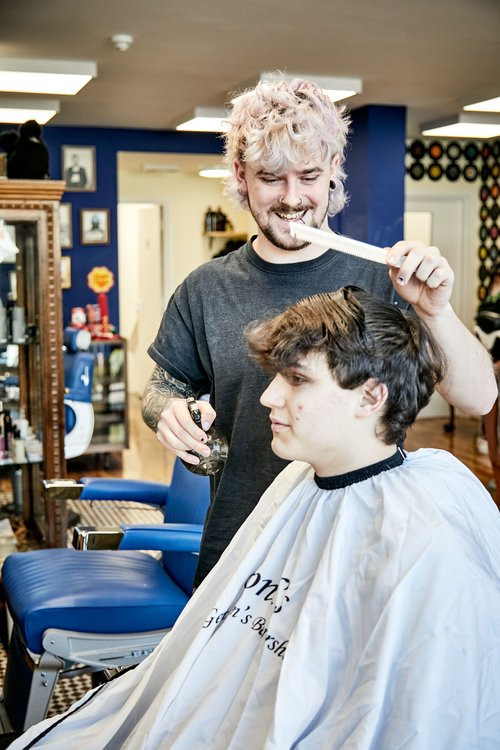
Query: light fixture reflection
x,y
65,77
21,110
464,125
488,105
205,119
214,172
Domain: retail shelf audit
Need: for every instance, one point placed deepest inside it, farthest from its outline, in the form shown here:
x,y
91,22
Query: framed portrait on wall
x,y
66,225
65,272
94,226
78,168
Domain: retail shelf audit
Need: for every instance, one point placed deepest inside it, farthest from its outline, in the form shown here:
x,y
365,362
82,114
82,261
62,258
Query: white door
x,y
445,221
141,285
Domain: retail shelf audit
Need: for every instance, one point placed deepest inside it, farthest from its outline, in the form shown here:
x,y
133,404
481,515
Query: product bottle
x,y
3,323
7,432
18,452
209,220
217,443
10,314
221,220
18,324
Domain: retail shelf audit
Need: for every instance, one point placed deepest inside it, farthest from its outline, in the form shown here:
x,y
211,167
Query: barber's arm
x,y
424,278
165,411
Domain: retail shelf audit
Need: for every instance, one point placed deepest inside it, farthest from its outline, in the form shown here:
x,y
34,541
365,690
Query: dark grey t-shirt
x,y
200,341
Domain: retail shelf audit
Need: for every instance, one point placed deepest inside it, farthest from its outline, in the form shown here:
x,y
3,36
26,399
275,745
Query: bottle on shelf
x,y
18,324
3,323
209,220
10,314
8,429
220,220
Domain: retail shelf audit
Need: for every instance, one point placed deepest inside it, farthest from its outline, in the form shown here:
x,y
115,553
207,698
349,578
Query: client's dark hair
x,y
362,337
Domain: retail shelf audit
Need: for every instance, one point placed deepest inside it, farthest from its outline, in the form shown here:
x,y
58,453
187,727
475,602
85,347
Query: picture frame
x,y
94,226
65,272
78,168
66,225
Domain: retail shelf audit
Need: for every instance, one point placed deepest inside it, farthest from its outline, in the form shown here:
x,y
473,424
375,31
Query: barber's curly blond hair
x,y
281,124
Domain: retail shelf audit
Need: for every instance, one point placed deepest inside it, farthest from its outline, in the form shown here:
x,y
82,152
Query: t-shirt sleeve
x,y
177,344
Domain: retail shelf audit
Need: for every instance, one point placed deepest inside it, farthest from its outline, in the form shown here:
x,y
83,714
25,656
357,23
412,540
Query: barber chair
x,y
87,609
78,409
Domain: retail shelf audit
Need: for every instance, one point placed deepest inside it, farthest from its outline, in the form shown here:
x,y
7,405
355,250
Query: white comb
x,y
337,242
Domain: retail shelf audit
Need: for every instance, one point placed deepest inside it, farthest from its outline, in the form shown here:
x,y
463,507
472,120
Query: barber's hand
x,y
421,276
178,432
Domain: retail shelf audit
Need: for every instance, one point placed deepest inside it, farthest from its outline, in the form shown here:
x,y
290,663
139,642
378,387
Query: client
x,y
359,605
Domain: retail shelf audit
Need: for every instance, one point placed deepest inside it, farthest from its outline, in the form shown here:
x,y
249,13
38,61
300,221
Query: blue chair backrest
x,y
188,501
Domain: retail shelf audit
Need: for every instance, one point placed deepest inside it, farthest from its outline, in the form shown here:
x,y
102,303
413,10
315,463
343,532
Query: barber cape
x,y
362,617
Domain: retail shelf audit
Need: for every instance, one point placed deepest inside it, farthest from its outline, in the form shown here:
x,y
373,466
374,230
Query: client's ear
x,y
373,395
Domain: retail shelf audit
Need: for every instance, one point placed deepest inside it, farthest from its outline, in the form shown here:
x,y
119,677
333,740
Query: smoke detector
x,y
122,41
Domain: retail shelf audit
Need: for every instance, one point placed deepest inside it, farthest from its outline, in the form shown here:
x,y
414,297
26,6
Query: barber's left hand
x,y
421,276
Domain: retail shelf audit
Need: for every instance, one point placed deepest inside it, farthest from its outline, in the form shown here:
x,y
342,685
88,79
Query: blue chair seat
x,y
96,591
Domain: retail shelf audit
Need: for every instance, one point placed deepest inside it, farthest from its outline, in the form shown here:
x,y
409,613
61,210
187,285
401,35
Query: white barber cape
x,y
361,617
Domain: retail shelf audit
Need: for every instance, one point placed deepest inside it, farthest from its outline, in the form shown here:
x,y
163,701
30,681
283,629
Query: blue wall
x,y
375,165
375,168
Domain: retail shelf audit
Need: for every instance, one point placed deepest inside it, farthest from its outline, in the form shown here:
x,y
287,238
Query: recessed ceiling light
x,y
20,110
45,76
464,125
488,105
205,119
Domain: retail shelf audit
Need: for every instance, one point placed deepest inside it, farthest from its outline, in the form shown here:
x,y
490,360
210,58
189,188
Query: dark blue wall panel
x,y
375,168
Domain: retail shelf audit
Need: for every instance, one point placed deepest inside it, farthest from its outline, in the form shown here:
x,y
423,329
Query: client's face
x,y
311,416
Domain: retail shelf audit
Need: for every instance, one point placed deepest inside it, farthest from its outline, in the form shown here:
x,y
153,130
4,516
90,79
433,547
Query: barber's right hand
x,y
178,432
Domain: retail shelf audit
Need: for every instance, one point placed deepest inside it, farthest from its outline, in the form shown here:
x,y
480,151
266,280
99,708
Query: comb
x,y
338,242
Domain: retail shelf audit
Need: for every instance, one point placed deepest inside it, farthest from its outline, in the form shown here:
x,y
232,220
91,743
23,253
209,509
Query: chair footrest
x,y
101,649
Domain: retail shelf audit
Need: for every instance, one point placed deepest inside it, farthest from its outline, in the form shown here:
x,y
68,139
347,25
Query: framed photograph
x,y
65,272
94,226
78,168
66,225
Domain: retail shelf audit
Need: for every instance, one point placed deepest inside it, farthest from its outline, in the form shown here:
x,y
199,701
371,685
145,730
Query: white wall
x,y
188,197
140,290
466,275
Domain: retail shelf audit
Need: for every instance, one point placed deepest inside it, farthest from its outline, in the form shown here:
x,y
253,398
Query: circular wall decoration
x,y
416,170
453,151
493,253
484,193
484,212
471,151
435,171
495,191
483,233
470,172
482,252
435,150
452,172
417,149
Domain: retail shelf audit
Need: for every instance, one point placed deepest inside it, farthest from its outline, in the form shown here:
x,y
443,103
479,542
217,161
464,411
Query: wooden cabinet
x,y
109,396
29,211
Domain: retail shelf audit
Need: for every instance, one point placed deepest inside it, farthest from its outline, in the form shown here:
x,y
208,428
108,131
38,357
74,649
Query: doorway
x,y
141,270
448,222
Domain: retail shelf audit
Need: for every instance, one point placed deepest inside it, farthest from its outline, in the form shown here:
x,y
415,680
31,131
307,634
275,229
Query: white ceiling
x,y
431,55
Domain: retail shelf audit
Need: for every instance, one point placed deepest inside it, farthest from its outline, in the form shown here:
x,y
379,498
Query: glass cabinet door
x,y
31,371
